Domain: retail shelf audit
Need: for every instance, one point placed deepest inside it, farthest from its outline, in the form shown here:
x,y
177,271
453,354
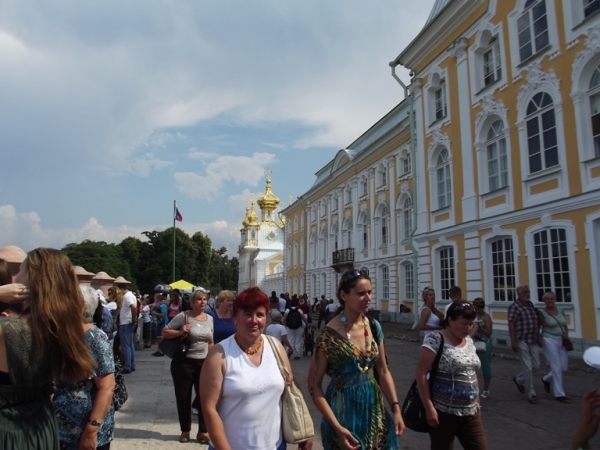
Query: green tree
x,y
98,256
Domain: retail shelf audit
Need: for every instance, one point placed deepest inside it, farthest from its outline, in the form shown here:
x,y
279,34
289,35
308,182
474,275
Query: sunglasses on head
x,y
354,274
462,305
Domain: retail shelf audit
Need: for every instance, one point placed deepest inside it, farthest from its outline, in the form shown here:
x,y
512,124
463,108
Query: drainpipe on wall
x,y
413,159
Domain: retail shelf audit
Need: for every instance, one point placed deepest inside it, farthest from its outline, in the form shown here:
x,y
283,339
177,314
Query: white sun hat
x,y
592,357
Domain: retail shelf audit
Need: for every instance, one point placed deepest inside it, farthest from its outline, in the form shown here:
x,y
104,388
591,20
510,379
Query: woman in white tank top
x,y
241,382
430,316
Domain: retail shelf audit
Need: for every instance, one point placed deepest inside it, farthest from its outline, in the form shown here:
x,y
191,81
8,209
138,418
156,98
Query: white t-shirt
x,y
276,330
249,395
128,300
331,308
146,314
111,306
282,304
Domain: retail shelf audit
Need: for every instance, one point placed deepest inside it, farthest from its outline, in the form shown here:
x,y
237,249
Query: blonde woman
x,y
186,374
429,317
554,328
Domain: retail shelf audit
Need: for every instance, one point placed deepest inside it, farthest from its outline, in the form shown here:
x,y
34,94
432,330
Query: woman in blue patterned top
x,y
84,409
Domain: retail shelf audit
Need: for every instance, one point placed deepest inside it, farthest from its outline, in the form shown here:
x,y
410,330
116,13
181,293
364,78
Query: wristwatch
x,y
94,423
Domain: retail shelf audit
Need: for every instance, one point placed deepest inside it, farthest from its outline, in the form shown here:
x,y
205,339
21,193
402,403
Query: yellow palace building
x,y
486,176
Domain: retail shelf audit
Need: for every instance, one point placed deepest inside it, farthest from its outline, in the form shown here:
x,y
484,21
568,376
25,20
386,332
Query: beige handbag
x,y
296,422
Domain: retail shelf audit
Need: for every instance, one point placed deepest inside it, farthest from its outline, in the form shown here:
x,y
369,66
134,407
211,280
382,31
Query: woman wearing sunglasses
x,y
452,404
350,350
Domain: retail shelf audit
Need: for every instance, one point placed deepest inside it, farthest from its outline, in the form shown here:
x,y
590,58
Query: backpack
x,y
107,322
294,319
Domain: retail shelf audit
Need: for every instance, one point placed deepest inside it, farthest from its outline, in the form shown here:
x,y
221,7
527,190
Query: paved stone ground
x,y
149,418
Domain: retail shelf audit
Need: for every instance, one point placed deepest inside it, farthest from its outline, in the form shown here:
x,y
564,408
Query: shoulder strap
x,y
436,362
373,326
284,373
561,328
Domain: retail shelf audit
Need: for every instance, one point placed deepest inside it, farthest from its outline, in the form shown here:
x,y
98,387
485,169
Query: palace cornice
x,y
589,199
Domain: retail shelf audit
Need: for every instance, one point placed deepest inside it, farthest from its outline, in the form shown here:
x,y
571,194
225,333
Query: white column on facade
x,y
421,164
393,286
372,174
355,231
469,200
392,249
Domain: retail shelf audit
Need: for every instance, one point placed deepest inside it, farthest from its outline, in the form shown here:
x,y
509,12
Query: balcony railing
x,y
345,255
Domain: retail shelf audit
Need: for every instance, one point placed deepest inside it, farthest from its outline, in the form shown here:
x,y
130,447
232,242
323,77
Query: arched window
x,y
497,162
542,143
385,215
407,222
594,94
552,263
532,27
443,180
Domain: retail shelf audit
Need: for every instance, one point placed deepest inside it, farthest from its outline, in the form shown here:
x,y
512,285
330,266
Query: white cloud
x,y
24,231
239,202
239,169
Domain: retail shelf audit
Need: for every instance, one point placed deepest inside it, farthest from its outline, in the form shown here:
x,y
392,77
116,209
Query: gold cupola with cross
x,y
268,202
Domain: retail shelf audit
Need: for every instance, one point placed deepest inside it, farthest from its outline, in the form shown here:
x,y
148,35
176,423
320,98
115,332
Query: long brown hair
x,y
56,311
5,275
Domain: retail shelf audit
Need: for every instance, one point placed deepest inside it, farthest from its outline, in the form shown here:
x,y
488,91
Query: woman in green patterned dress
x,y
350,350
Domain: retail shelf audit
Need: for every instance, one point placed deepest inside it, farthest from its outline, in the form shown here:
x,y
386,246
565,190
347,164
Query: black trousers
x,y
186,375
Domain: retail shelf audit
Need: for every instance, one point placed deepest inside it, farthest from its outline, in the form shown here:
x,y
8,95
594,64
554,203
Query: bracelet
x,y
395,403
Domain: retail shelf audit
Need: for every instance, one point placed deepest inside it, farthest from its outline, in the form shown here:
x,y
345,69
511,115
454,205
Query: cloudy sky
x,y
111,110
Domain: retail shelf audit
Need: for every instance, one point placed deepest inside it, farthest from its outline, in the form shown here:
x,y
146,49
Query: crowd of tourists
x,y
65,349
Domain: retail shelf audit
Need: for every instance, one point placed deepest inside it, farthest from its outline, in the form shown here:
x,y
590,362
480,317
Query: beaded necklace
x,y
356,353
249,350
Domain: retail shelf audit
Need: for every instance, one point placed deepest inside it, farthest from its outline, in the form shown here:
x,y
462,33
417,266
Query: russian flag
x,y
178,216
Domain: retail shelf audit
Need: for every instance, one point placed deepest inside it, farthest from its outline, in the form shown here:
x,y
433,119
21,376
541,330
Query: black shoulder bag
x,y
176,348
413,410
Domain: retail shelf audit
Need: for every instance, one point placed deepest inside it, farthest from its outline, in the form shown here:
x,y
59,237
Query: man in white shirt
x,y
127,321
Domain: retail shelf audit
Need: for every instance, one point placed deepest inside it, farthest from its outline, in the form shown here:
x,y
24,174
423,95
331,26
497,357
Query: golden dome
x,y
252,217
268,201
245,222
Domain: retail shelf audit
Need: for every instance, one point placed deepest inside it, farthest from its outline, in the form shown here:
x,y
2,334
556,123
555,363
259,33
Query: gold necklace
x,y
249,350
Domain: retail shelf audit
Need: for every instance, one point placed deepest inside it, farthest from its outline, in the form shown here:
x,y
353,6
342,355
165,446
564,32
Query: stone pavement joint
x,y
148,419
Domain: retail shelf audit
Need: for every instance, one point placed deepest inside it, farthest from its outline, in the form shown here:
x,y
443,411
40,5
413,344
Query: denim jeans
x,y
126,336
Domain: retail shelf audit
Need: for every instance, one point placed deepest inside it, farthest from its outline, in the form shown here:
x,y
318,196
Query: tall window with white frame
x,y
408,215
496,157
594,94
590,7
381,177
492,62
444,181
552,264
385,282
542,144
384,226
405,164
335,203
364,187
348,195
503,269
532,27
447,275
440,103
365,237
409,280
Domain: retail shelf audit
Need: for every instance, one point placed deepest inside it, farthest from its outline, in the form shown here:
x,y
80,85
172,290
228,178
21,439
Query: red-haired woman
x,y
241,382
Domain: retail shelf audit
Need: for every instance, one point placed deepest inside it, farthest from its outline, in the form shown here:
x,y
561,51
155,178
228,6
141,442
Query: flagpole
x,y
174,217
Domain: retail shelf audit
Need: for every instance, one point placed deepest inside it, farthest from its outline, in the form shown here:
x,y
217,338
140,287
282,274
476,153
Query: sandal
x,y
185,437
563,399
546,385
202,438
533,400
